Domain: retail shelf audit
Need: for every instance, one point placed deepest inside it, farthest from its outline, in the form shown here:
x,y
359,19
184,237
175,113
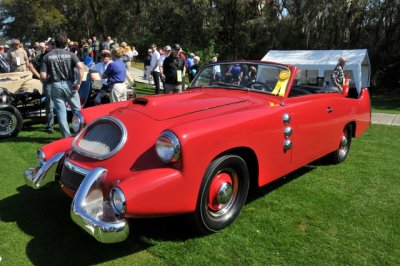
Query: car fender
x,y
155,192
61,145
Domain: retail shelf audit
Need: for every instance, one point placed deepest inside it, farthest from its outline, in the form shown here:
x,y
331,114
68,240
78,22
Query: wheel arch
x,y
250,157
353,125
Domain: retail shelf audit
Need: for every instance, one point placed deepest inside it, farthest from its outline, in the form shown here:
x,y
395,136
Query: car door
x,y
314,124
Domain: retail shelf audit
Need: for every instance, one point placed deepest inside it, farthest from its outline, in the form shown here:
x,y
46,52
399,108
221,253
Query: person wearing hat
x,y
173,70
97,71
116,76
17,57
337,75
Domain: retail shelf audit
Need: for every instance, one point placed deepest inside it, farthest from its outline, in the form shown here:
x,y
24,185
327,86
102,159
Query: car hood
x,y
174,105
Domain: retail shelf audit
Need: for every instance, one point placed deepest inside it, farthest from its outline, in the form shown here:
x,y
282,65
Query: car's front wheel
x,y
11,121
340,155
222,194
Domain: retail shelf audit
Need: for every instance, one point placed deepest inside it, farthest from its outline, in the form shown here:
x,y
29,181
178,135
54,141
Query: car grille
x,y
101,139
71,179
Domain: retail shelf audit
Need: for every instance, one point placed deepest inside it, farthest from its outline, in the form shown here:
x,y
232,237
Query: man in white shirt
x,y
155,67
96,72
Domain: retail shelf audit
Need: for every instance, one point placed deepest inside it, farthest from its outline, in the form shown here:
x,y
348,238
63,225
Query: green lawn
x,y
346,214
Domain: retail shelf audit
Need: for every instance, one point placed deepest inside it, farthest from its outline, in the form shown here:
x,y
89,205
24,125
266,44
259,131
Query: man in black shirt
x,y
173,68
57,70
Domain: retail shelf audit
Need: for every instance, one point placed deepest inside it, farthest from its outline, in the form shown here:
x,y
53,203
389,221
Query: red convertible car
x,y
197,152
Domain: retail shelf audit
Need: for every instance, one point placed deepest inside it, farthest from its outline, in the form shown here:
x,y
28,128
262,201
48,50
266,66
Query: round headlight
x,y
118,202
168,147
41,157
77,122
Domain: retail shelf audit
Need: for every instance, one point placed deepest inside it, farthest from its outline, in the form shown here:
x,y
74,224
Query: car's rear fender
x,y
363,119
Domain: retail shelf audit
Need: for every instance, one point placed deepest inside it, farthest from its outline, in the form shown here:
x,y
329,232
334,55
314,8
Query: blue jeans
x,y
49,107
61,93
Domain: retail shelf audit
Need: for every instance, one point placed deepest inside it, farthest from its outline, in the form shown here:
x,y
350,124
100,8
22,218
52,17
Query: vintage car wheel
x,y
341,153
222,194
11,121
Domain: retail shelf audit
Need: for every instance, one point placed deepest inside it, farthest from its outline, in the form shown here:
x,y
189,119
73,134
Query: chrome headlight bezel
x,y
168,147
118,201
41,157
78,122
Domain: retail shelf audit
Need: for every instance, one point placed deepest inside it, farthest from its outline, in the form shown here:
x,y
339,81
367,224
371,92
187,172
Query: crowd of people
x,y
168,67
60,64
57,61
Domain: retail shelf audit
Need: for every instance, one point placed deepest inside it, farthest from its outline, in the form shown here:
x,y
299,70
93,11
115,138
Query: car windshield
x,y
255,76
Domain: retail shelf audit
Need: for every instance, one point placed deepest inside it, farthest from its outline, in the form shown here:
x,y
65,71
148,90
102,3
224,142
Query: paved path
x,y
377,118
137,74
385,119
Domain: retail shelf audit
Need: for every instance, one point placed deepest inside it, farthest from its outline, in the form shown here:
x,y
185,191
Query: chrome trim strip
x,y
93,155
36,177
75,168
97,220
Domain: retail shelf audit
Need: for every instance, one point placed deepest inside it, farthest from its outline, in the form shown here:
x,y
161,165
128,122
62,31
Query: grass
x,y
344,214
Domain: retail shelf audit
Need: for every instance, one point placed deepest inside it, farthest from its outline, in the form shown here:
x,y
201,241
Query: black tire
x,y
11,121
340,155
222,195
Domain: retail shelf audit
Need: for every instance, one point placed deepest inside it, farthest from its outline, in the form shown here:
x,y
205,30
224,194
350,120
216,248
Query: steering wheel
x,y
260,86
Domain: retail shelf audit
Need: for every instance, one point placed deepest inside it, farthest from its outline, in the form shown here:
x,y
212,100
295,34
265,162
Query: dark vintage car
x,y
197,152
20,95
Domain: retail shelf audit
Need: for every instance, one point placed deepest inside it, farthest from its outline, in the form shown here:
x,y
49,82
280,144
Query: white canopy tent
x,y
322,63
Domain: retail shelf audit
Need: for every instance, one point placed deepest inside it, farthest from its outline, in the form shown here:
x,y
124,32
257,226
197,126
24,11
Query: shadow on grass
x,y
258,192
44,214
56,239
33,132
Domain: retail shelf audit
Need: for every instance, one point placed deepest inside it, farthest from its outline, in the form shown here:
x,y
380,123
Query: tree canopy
x,y
234,29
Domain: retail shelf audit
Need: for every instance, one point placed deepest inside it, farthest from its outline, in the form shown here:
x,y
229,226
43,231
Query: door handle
x,y
329,109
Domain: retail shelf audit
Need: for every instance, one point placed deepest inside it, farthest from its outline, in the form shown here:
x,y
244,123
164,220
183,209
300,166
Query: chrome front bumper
x,y
38,177
89,209
94,214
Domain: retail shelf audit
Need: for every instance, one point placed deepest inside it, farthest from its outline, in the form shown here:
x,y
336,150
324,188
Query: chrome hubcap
x,y
343,147
224,193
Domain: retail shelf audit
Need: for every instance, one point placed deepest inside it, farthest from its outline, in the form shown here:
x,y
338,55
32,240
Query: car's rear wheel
x,y
222,194
11,121
341,153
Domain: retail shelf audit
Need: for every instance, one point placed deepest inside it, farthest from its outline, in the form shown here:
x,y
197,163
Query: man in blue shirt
x,y
116,76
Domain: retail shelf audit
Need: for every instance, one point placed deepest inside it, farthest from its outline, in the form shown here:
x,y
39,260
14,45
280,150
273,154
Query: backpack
x,y
4,65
